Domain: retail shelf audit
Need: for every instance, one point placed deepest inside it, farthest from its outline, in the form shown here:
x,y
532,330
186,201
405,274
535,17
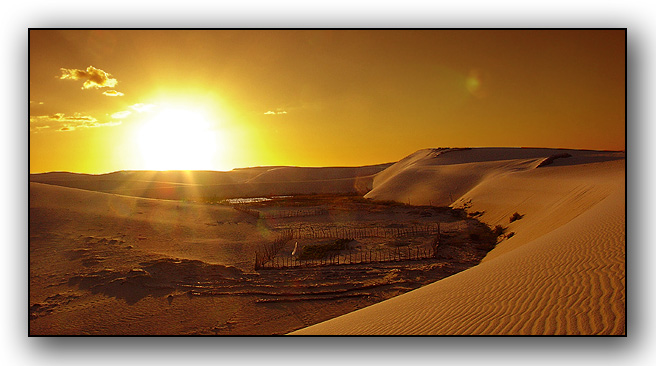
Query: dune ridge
x,y
563,270
209,185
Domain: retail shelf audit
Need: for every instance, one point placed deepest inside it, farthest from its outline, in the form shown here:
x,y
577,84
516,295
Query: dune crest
x,y
561,272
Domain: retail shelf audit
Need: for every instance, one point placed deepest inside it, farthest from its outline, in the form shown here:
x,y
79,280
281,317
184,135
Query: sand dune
x,y
102,263
207,185
441,176
562,271
172,228
108,264
306,174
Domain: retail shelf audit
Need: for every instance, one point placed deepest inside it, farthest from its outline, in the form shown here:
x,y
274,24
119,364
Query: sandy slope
x,y
208,185
563,272
177,229
105,264
108,264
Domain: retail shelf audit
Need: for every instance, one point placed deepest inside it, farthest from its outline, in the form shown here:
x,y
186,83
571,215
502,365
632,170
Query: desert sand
x,y
104,263
563,270
144,252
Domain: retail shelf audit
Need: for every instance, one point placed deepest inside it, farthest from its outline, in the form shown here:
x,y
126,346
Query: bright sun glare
x,y
178,139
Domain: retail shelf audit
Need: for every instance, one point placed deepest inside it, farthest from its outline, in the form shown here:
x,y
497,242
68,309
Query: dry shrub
x,y
498,230
516,216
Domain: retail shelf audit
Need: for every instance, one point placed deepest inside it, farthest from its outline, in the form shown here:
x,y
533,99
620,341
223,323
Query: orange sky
x,y
107,100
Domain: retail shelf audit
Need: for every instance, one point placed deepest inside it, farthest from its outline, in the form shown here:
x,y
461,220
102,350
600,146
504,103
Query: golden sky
x,y
107,100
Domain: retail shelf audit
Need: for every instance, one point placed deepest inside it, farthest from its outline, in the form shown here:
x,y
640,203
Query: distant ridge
x,y
214,185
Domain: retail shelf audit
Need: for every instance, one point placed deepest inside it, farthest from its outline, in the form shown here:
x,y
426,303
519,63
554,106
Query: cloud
x,y
35,102
121,114
141,107
113,93
38,128
62,122
76,117
93,78
278,111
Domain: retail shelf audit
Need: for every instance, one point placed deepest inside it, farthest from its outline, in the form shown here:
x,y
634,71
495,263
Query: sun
x,y
178,139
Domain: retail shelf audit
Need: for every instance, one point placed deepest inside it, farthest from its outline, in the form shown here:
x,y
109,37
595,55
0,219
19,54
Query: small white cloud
x,y
39,128
73,127
121,114
141,107
113,93
63,122
278,111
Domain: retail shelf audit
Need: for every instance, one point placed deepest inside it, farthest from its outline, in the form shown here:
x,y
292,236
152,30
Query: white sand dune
x,y
563,270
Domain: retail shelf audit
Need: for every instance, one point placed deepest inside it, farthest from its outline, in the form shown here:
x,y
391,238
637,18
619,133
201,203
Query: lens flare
x,y
475,83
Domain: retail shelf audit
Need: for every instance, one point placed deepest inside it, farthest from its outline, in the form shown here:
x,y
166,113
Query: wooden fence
x,y
294,213
280,214
269,252
309,232
267,257
244,209
353,257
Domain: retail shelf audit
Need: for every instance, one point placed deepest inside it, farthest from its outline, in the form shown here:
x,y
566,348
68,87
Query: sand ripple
x,y
570,280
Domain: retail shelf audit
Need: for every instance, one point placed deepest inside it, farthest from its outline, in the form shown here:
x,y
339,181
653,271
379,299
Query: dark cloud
x,y
93,78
